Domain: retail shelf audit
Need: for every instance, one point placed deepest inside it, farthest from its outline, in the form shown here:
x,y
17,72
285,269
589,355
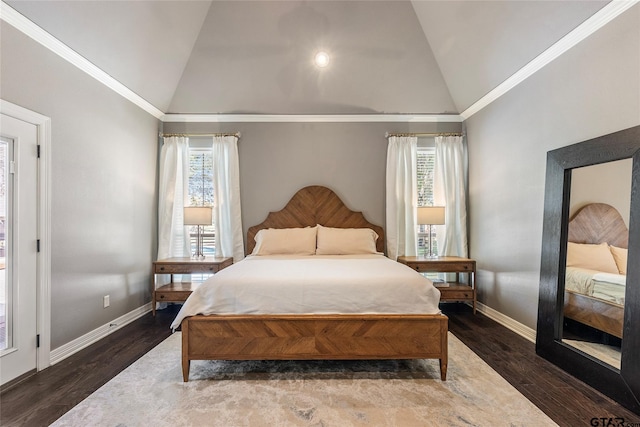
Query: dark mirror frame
x,y
621,385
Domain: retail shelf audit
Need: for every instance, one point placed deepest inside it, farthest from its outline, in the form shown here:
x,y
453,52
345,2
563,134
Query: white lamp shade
x,y
200,215
432,215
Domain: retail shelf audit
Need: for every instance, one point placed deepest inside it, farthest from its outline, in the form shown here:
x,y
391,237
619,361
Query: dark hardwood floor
x,y
47,395
565,399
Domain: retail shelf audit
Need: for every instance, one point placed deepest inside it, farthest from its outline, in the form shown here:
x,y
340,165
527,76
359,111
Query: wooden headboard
x,y
597,223
315,205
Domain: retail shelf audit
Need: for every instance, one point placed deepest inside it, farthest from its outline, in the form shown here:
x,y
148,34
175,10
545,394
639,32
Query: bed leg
x,y
444,350
443,369
186,362
185,370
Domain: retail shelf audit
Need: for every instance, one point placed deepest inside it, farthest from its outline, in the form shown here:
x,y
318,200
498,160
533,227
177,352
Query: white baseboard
x,y
507,322
86,340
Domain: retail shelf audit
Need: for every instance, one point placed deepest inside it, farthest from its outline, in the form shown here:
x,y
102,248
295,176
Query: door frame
x,y
43,274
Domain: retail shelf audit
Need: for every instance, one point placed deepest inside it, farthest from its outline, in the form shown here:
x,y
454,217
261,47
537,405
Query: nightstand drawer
x,y
455,295
185,269
437,267
172,296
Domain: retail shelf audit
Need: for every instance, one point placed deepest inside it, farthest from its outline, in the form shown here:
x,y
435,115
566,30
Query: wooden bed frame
x,y
594,224
307,337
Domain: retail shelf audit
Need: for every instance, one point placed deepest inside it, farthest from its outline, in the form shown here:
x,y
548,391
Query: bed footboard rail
x,y
307,337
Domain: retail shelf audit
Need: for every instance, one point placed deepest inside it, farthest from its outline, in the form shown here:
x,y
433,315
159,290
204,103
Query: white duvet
x,y
605,286
318,284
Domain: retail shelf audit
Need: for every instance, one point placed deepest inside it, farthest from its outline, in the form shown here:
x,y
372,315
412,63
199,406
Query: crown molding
x,y
311,118
21,23
598,20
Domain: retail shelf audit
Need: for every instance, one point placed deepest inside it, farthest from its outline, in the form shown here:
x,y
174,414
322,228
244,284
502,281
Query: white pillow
x,y
592,257
285,241
346,241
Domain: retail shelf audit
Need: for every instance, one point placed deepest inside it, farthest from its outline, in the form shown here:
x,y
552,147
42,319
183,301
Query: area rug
x,y
306,393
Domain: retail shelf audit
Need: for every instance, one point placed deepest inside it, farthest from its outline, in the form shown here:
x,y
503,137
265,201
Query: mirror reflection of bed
x,y
595,282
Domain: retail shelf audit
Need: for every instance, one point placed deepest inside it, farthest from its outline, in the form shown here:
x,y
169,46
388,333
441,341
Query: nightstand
x,y
180,291
450,291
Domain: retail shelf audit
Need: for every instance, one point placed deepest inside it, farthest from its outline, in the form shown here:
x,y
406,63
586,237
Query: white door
x,y
18,247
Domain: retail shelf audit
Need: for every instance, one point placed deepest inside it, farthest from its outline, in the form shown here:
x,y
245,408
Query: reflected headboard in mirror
x,y
622,385
597,223
586,300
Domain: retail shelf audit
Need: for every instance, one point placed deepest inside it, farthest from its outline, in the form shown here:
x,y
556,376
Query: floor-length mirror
x,y
589,300
596,267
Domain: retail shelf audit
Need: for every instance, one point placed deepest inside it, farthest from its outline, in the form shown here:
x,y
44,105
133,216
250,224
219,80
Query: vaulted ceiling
x,y
256,57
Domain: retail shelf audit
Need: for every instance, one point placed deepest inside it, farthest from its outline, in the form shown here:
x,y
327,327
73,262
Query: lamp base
x,y
198,254
431,255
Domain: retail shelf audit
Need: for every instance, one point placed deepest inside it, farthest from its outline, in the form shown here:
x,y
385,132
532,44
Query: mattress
x,y
315,284
605,286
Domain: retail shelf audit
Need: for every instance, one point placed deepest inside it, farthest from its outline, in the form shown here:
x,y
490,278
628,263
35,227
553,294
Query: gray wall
x,y
277,159
591,90
103,161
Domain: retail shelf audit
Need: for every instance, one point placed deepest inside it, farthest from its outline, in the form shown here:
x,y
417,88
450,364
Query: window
x,y
425,168
201,190
6,288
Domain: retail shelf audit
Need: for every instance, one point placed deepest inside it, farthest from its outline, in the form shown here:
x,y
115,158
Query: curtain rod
x,y
236,134
387,135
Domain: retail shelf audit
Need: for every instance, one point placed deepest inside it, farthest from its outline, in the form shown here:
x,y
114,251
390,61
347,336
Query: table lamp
x,y
431,215
199,216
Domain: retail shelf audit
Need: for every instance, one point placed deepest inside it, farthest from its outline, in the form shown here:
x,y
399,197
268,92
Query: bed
x,y
595,281
275,333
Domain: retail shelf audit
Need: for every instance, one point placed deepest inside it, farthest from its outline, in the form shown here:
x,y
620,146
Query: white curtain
x,y
402,196
226,198
173,238
450,181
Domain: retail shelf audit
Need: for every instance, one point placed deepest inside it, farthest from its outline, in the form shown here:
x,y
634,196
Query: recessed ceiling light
x,y
321,59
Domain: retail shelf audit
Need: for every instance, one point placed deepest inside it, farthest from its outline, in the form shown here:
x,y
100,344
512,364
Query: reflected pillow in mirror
x,y
285,241
620,256
592,257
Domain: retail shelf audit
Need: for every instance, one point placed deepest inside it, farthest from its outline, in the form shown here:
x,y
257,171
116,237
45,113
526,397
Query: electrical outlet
x,y
105,301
